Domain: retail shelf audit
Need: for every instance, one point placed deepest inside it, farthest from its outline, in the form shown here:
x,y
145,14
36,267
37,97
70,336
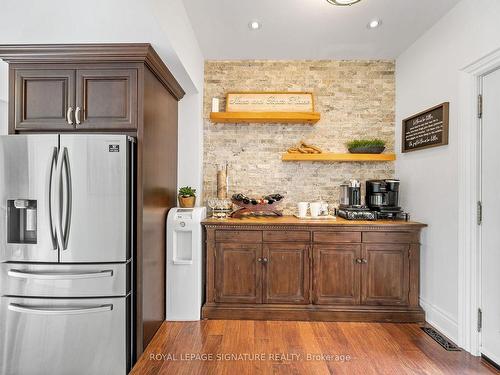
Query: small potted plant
x,y
187,197
366,146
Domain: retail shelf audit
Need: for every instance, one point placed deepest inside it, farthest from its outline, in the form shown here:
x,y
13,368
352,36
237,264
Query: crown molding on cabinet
x,y
93,53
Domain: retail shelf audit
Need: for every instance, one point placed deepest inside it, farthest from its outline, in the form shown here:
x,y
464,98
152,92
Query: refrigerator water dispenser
x,y
21,221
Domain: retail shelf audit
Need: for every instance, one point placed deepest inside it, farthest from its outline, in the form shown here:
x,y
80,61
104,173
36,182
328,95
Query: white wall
x,y
427,73
163,23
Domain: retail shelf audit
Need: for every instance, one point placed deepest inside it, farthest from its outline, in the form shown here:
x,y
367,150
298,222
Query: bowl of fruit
x,y
250,205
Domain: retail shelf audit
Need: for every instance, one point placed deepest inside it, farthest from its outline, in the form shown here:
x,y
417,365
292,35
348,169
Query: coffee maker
x,y
382,196
350,206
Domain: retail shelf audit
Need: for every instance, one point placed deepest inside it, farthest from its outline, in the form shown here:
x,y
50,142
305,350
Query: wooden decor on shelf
x,y
304,148
271,101
268,107
331,157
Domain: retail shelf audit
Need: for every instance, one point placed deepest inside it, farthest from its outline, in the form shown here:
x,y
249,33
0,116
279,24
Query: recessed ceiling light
x,y
343,2
254,25
373,24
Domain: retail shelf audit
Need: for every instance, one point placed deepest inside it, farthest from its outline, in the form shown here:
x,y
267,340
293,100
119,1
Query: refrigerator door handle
x,y
42,310
59,275
53,164
69,190
58,216
63,233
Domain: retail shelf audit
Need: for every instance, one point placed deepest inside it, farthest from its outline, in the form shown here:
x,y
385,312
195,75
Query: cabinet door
x,y
385,274
336,277
42,98
106,99
286,273
238,273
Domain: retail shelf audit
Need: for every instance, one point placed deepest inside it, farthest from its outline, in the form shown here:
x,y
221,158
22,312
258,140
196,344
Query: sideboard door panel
x,y
385,274
238,273
286,273
336,274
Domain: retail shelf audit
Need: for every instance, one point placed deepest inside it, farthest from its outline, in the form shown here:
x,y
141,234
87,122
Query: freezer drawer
x,y
59,280
64,336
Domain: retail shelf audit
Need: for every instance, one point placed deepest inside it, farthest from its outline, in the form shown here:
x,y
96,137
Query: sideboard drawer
x,y
247,236
337,237
389,237
286,236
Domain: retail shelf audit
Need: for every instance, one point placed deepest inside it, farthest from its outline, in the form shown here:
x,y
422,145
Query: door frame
x,y
469,233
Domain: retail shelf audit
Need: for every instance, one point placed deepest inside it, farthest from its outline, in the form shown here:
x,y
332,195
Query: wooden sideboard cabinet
x,y
285,268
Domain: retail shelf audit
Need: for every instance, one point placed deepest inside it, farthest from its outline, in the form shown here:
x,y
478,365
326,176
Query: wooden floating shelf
x,y
330,157
265,117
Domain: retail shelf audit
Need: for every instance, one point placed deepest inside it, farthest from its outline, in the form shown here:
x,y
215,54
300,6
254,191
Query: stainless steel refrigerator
x,y
66,205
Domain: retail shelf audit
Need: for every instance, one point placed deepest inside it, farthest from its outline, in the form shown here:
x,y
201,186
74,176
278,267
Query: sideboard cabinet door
x,y
336,275
238,273
286,273
106,98
385,274
42,98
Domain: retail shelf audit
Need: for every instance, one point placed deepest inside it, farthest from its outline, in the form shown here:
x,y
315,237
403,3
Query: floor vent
x,y
441,340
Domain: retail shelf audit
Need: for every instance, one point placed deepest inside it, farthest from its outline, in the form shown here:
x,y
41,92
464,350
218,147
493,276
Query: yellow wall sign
x,y
269,102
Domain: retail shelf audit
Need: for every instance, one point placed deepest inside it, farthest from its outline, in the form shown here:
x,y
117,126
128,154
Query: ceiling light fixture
x,y
343,2
254,25
373,24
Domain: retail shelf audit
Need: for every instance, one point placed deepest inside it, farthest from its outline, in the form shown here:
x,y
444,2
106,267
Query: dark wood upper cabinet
x,y
286,273
42,99
336,276
238,273
385,274
106,99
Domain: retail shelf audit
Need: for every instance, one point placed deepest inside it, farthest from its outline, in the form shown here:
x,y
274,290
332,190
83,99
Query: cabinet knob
x,y
265,260
77,115
358,260
364,261
69,116
259,260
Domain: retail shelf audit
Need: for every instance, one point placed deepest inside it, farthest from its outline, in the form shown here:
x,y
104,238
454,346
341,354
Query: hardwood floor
x,y
272,347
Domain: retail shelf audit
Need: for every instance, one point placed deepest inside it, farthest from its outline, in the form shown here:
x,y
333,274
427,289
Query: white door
x,y
490,228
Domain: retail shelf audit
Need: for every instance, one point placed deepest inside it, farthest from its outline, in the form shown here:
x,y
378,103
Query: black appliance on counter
x,y
350,207
382,196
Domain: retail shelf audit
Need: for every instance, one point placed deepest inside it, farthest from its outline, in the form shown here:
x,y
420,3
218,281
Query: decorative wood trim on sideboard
x,y
93,53
313,313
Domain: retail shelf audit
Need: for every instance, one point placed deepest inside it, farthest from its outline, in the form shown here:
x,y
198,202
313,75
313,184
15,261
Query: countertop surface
x,y
292,220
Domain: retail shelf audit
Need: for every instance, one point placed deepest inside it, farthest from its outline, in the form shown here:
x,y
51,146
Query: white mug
x,y
315,209
302,208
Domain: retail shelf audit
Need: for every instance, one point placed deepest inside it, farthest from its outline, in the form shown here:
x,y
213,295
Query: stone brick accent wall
x,y
356,99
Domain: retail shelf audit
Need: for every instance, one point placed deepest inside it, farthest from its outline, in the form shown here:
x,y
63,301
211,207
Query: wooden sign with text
x,y
426,129
269,102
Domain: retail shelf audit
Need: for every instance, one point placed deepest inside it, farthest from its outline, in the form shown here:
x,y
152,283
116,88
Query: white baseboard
x,y
440,320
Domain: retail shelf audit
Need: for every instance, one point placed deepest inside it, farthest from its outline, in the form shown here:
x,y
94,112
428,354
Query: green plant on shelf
x,y
356,143
187,191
